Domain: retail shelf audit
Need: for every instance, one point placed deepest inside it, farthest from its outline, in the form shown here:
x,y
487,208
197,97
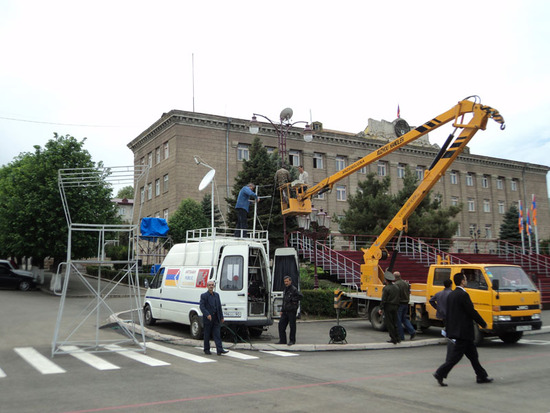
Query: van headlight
x,y
535,316
502,318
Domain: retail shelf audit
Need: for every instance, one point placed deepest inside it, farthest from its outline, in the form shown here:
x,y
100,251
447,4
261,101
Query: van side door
x,y
232,282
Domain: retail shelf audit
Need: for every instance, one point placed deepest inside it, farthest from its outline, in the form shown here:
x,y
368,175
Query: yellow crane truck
x,y
508,307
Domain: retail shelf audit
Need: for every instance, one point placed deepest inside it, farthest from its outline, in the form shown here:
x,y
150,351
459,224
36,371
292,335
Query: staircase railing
x,y
533,262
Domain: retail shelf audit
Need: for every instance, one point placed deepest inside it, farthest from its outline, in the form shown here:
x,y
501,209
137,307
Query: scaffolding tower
x,y
80,331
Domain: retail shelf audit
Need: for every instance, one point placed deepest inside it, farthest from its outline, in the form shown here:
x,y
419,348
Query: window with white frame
x,y
500,183
514,184
149,190
420,172
150,159
318,195
363,170
142,194
165,183
340,163
157,187
501,207
401,170
471,205
317,161
382,168
457,233
486,205
294,158
485,181
165,214
488,231
157,214
166,150
243,152
157,155
469,179
454,201
341,193
454,177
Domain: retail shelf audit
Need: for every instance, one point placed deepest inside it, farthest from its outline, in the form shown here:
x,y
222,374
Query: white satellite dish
x,y
286,114
207,179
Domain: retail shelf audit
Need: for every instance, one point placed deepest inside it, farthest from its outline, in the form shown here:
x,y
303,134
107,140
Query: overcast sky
x,y
106,70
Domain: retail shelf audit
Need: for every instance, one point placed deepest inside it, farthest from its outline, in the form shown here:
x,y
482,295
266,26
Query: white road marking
x,y
2,374
235,355
38,361
535,342
134,355
180,354
279,353
89,358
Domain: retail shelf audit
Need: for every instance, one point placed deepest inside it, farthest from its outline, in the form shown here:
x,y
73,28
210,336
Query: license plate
x,y
523,328
232,314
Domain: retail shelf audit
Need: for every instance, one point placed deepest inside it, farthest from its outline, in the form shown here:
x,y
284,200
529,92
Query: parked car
x,y
9,278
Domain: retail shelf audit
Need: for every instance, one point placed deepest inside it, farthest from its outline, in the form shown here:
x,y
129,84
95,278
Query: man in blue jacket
x,y
212,317
241,208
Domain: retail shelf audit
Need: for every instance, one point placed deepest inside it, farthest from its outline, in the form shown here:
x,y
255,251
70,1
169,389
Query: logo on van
x,y
202,278
172,277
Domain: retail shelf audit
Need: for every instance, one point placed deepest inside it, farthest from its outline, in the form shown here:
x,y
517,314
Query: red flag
x,y
520,218
398,112
534,211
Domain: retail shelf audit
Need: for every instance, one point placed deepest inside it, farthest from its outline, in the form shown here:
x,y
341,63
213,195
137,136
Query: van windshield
x,y
510,278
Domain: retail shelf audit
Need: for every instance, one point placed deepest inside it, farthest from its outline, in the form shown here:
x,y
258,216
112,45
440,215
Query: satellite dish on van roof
x,y
207,179
286,114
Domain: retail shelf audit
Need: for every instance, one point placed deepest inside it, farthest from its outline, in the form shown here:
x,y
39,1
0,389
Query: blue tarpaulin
x,y
154,227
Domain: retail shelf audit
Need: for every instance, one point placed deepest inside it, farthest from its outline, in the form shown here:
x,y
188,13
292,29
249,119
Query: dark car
x,y
10,279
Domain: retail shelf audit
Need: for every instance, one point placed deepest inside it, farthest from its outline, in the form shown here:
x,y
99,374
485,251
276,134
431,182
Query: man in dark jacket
x,y
291,301
212,317
403,310
439,300
461,314
389,306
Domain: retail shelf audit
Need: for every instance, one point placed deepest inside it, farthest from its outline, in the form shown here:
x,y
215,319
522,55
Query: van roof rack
x,y
208,234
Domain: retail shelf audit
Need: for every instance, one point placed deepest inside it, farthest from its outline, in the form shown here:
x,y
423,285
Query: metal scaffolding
x,y
78,331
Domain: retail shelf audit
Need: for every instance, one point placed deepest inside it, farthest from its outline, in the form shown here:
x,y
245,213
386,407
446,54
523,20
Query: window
x,y
149,191
454,177
500,184
142,161
294,158
485,181
157,214
486,205
471,205
501,208
514,184
475,279
340,163
317,161
150,159
165,214
157,189
157,154
270,150
420,172
457,233
319,196
232,273
382,168
454,201
488,231
165,183
142,193
363,170
401,170
469,179
166,150
440,275
243,152
341,193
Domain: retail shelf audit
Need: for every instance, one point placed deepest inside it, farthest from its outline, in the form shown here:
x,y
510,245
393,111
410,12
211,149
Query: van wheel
x,y
511,338
255,331
196,327
24,286
149,319
376,320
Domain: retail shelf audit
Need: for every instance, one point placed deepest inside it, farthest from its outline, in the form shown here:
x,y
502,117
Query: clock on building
x,y
401,127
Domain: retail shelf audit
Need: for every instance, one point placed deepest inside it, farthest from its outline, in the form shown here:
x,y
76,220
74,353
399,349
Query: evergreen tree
x,y
509,229
189,215
206,205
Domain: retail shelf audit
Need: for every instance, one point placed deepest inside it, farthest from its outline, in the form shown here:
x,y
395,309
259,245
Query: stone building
x,y
486,186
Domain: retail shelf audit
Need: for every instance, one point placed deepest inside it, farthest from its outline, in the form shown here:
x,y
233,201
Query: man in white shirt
x,y
304,176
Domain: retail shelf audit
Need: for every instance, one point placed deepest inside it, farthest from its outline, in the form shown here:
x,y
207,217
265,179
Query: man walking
x,y
403,310
212,317
241,208
460,317
389,305
291,301
439,300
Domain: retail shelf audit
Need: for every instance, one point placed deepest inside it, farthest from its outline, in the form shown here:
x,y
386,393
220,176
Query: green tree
x,y
126,192
189,215
206,205
32,220
509,229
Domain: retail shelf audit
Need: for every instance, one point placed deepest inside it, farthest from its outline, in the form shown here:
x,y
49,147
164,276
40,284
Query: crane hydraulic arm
x,y
296,200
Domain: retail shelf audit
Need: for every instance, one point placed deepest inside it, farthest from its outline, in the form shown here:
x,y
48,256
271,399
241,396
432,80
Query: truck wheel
x,y
478,335
255,331
511,338
149,319
376,320
196,327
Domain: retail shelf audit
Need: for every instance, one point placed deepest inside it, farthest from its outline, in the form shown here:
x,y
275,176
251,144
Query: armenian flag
x,y
172,277
520,217
534,211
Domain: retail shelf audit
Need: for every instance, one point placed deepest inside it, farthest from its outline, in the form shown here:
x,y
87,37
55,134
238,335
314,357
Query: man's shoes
x,y
279,342
290,343
484,380
207,352
413,335
222,352
440,380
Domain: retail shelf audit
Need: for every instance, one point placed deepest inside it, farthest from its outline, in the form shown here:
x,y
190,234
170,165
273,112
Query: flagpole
x,y
534,217
528,228
520,224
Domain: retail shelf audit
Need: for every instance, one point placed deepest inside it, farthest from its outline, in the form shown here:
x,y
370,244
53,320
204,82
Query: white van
x,y
240,269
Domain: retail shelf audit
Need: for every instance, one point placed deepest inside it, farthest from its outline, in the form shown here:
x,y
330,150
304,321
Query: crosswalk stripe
x,y
180,354
38,361
2,374
279,353
89,358
134,355
240,356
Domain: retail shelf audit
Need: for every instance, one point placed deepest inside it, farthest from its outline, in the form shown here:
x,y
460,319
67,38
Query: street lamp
x,y
282,129
315,226
475,234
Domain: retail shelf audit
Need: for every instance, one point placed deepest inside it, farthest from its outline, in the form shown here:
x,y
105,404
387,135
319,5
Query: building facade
x,y
485,186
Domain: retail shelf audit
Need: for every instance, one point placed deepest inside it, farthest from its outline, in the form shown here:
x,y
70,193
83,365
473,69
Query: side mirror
x,y
496,285
146,283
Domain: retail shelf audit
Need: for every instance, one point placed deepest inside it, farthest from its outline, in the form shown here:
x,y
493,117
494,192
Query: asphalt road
x,y
183,379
